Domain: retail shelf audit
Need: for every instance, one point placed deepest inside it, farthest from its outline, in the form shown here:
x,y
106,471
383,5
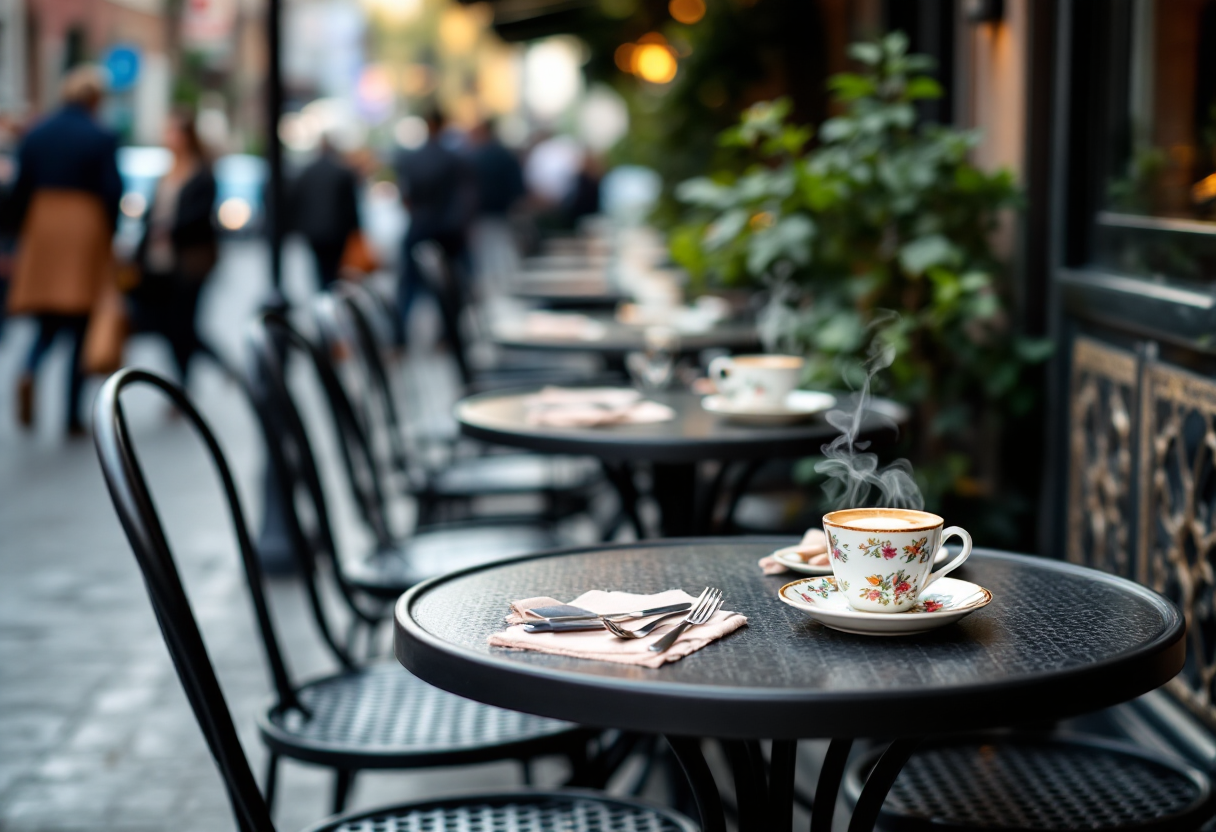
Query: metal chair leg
x,y
272,780
344,778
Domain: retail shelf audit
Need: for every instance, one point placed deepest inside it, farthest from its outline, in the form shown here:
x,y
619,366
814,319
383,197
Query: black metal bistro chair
x,y
1028,782
395,562
371,717
443,478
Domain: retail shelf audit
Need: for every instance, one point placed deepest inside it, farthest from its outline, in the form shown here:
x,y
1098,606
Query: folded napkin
x,y
603,645
813,549
563,325
593,406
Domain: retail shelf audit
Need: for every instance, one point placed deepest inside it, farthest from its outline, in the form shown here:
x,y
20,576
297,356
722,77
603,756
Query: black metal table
x,y
1058,640
672,449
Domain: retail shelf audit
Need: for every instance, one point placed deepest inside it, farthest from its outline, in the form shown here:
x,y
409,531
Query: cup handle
x,y
953,531
719,371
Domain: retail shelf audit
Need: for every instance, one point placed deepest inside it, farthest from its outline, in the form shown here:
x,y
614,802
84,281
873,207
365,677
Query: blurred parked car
x,y
239,177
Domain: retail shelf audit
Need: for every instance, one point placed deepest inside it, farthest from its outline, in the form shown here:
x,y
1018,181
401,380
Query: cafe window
x,y
1147,90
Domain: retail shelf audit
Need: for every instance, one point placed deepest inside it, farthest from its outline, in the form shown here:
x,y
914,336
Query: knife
x,y
683,607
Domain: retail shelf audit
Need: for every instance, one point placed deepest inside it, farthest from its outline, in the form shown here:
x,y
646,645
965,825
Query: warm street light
x,y
687,11
654,63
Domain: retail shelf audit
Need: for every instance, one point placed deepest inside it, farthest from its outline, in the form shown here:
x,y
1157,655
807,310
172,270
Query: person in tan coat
x,y
66,201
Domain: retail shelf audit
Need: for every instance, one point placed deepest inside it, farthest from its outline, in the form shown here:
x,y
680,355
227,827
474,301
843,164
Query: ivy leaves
x,y
882,213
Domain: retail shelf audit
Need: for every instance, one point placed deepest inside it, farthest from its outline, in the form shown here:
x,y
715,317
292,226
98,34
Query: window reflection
x,y
1158,216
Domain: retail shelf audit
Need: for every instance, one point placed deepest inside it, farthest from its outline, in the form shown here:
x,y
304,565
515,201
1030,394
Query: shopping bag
x,y
357,257
106,335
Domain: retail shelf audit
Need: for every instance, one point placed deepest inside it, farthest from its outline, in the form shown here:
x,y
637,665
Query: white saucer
x,y
819,598
787,558
798,405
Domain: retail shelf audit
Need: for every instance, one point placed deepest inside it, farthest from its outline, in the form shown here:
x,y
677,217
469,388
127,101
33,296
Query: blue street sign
x,y
122,63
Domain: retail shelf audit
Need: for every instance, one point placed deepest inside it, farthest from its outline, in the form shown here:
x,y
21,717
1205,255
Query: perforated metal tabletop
x,y
1057,640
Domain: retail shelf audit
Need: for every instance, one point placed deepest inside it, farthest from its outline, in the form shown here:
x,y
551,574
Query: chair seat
x,y
560,811
382,716
437,551
513,474
1039,783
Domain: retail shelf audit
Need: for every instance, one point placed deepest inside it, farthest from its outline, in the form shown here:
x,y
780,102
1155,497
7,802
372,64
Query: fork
x,y
708,604
641,632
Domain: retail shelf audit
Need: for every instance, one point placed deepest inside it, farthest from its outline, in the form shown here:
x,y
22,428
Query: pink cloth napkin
x,y
813,549
601,644
592,407
562,325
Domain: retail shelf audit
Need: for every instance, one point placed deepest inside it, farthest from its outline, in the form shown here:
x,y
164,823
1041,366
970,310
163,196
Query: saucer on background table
x,y
788,558
798,405
946,601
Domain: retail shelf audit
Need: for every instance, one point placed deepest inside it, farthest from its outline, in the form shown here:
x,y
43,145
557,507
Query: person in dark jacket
x,y
500,177
179,248
324,201
438,190
65,203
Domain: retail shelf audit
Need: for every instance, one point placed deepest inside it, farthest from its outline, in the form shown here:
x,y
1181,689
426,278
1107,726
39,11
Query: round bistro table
x,y
1057,640
672,449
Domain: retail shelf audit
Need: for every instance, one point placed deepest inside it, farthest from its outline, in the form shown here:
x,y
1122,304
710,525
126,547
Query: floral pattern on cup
x,y
917,551
840,551
883,589
876,548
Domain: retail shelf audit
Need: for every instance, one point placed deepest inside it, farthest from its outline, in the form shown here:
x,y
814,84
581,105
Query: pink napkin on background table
x,y
592,407
813,548
601,645
563,325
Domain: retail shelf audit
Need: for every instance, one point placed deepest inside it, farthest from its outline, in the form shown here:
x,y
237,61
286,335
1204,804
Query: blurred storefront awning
x,y
521,20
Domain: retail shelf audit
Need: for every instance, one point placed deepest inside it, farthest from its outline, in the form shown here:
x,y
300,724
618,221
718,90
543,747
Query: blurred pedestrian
x,y
438,191
65,202
325,208
584,197
179,248
499,175
8,233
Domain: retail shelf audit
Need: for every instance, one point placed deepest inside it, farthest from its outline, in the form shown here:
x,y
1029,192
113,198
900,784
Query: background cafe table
x,y
672,449
1057,640
618,339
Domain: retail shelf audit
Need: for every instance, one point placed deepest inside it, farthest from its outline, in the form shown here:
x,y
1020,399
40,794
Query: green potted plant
x,y
883,214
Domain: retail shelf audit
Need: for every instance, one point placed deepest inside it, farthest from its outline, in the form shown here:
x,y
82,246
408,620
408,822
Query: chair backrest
x,y
270,340
348,318
137,512
366,315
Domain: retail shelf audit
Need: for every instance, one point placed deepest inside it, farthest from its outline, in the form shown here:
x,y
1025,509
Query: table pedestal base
x,y
764,789
687,502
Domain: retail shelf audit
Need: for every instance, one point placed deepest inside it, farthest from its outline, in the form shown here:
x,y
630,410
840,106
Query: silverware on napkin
x,y
593,621
681,607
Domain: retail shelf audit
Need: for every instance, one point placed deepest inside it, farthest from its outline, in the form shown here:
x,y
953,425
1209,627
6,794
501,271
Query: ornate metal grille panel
x,y
1177,522
1101,444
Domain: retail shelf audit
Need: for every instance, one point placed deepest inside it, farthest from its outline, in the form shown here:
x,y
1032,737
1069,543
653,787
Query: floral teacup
x,y
882,557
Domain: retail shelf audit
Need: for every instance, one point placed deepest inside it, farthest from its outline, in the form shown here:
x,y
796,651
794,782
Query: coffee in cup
x,y
883,557
756,381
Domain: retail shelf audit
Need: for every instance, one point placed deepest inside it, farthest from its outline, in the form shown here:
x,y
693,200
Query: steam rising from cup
x,y
851,472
